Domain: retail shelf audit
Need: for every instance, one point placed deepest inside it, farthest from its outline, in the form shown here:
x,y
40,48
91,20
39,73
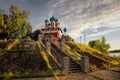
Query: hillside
x,y
96,58
32,57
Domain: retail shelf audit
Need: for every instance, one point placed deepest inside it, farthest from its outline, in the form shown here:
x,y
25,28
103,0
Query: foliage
x,y
35,34
93,68
26,39
83,48
7,76
14,25
65,36
106,66
88,51
3,26
11,75
101,46
72,53
44,56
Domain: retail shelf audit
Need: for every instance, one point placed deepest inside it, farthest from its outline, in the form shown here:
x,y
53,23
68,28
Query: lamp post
x,y
84,37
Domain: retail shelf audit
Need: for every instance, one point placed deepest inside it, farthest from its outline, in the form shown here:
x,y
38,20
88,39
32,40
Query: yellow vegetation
x,y
11,45
46,58
44,55
72,53
55,75
87,49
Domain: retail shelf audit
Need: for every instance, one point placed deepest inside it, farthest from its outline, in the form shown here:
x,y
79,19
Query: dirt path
x,y
112,73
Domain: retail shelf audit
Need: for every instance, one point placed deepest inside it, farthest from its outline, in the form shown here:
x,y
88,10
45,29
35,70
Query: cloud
x,y
76,15
103,32
87,14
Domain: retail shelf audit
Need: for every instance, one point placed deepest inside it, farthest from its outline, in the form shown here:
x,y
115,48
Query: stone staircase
x,y
74,67
54,62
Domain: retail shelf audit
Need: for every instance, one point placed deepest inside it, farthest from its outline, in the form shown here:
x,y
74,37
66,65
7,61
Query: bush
x,y
8,76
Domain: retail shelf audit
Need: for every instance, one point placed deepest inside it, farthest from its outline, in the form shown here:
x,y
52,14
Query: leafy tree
x,y
95,44
104,46
15,25
18,24
3,26
100,45
35,34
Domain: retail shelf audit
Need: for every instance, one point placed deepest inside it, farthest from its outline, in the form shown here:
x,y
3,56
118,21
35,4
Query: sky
x,y
96,18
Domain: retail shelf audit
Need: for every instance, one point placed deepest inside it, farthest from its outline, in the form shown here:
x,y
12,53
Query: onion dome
x,y
46,20
65,29
52,18
56,20
49,24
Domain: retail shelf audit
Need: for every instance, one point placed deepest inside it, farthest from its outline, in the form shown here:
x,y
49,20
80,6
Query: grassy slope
x,y
95,57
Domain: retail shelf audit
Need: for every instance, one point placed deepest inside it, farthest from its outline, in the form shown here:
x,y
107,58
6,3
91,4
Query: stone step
x,y
76,67
73,65
75,71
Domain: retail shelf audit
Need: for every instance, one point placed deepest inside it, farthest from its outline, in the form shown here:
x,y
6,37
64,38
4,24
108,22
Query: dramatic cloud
x,y
103,32
83,14
96,17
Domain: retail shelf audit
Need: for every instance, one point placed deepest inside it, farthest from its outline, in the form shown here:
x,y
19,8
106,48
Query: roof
x,y
52,18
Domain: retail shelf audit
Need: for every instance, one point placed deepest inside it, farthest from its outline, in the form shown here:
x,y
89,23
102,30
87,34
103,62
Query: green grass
x,y
82,48
10,75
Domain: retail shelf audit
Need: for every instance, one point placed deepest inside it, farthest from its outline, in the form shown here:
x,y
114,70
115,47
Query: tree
x,y
18,25
104,46
95,44
100,45
15,25
3,26
35,34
